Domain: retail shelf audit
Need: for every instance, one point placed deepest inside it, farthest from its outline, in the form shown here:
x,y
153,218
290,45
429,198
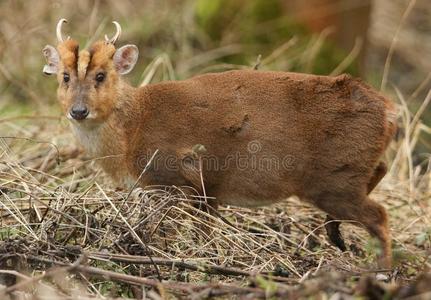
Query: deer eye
x,y
100,77
66,77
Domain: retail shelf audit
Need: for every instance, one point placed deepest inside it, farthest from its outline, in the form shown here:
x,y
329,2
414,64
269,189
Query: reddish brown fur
x,y
331,130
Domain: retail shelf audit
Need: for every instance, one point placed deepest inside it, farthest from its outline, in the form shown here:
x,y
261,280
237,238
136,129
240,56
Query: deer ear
x,y
125,58
52,59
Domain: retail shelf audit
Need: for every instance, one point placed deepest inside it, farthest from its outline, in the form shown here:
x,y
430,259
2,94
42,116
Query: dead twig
x,y
50,273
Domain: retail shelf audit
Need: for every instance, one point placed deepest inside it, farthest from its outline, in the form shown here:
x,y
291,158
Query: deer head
x,y
89,80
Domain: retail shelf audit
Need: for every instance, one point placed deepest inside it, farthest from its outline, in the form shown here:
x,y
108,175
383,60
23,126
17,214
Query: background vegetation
x,y
193,36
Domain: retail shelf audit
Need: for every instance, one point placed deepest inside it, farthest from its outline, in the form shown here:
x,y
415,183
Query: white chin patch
x,y
91,116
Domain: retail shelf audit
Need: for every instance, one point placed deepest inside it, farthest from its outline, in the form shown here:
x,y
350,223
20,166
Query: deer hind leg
x,y
332,226
375,219
367,213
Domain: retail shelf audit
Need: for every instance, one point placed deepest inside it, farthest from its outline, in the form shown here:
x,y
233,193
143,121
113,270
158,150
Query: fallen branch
x,y
140,260
210,289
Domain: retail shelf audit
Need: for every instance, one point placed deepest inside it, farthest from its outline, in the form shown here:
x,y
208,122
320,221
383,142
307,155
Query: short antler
x,y
116,35
59,35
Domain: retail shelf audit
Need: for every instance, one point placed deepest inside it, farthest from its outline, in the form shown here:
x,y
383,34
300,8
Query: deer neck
x,y
99,140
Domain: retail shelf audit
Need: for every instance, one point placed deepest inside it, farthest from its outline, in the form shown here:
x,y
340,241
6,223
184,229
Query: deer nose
x,y
79,112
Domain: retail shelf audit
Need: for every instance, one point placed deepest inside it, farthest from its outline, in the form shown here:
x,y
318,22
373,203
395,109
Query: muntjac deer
x,y
256,137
